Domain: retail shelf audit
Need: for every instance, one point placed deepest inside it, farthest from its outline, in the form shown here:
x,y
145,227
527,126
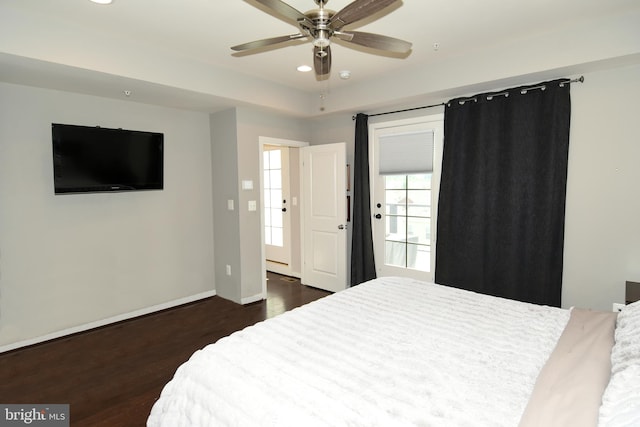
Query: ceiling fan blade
x,y
283,9
357,10
266,42
375,41
322,60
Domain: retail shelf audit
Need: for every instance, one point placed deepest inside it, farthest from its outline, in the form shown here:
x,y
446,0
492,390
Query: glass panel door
x,y
275,186
404,204
273,232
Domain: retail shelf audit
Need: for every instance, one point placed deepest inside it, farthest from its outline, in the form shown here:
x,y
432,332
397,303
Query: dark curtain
x,y
502,193
363,266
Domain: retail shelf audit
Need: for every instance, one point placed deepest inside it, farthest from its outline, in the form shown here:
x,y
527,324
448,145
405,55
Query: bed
x,y
400,352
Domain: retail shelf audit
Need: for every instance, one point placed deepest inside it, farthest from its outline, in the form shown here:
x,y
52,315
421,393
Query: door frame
x,y
374,129
262,141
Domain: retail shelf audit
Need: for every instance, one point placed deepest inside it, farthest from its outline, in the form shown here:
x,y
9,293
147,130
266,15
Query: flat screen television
x,y
95,159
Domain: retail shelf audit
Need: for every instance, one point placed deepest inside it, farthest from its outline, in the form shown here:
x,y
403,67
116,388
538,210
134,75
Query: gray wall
x,y
602,231
244,244
224,164
73,260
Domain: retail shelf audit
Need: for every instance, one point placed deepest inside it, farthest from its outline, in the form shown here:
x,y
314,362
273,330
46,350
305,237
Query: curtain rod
x,y
402,111
577,80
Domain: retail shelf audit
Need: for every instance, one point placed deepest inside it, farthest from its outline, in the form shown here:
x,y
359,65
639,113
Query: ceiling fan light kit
x,y
321,24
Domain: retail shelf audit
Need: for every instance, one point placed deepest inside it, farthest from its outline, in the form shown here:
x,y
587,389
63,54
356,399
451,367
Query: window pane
x,y
276,236
419,181
395,182
396,228
276,217
395,254
276,198
267,217
267,235
395,202
265,159
419,203
274,159
419,230
267,198
275,179
419,257
265,179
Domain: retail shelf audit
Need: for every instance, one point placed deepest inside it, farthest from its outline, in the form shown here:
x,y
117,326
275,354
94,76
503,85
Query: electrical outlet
x,y
228,270
617,307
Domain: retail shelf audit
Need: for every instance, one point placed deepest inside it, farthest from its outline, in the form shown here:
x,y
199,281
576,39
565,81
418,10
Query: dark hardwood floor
x,y
111,376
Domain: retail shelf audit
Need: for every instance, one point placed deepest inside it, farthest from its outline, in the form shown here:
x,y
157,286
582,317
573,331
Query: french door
x,y
404,195
277,225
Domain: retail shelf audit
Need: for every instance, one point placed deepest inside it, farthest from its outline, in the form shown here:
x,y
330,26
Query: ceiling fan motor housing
x,y
320,30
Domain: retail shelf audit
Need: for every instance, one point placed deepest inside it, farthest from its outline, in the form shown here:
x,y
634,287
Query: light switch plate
x,y
247,184
252,205
230,204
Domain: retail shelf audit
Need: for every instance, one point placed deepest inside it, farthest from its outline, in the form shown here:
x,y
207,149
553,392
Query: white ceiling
x,y
178,51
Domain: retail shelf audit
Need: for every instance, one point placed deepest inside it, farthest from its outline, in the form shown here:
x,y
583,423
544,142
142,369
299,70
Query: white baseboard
x,y
253,298
104,322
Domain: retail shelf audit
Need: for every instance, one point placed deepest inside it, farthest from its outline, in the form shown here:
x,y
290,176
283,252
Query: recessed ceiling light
x,y
304,68
102,1
345,74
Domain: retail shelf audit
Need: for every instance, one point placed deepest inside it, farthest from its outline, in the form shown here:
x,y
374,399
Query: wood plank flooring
x,y
111,376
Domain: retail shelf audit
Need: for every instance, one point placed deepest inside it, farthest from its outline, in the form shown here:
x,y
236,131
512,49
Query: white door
x,y
404,201
277,224
324,234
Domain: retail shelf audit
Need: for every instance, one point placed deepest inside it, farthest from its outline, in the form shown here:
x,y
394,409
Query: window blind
x,y
405,153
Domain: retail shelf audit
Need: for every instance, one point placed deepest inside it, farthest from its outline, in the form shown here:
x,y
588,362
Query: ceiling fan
x,y
321,24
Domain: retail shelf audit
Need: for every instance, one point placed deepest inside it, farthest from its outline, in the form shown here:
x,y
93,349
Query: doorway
x,y
405,195
276,208
324,205
279,258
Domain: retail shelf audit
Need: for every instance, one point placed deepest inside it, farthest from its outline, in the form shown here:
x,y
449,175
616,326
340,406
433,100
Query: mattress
x,y
390,352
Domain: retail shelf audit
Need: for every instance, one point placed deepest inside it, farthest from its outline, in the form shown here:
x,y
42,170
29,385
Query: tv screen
x,y
94,159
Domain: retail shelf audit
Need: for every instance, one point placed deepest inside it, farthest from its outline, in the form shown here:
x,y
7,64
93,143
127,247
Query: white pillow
x,y
621,400
626,350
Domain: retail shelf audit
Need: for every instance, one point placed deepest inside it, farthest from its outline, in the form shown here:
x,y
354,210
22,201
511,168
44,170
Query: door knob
x,y
284,209
378,216
342,227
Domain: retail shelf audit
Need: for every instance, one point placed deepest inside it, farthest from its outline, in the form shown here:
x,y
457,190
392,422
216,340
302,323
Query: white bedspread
x,y
391,352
